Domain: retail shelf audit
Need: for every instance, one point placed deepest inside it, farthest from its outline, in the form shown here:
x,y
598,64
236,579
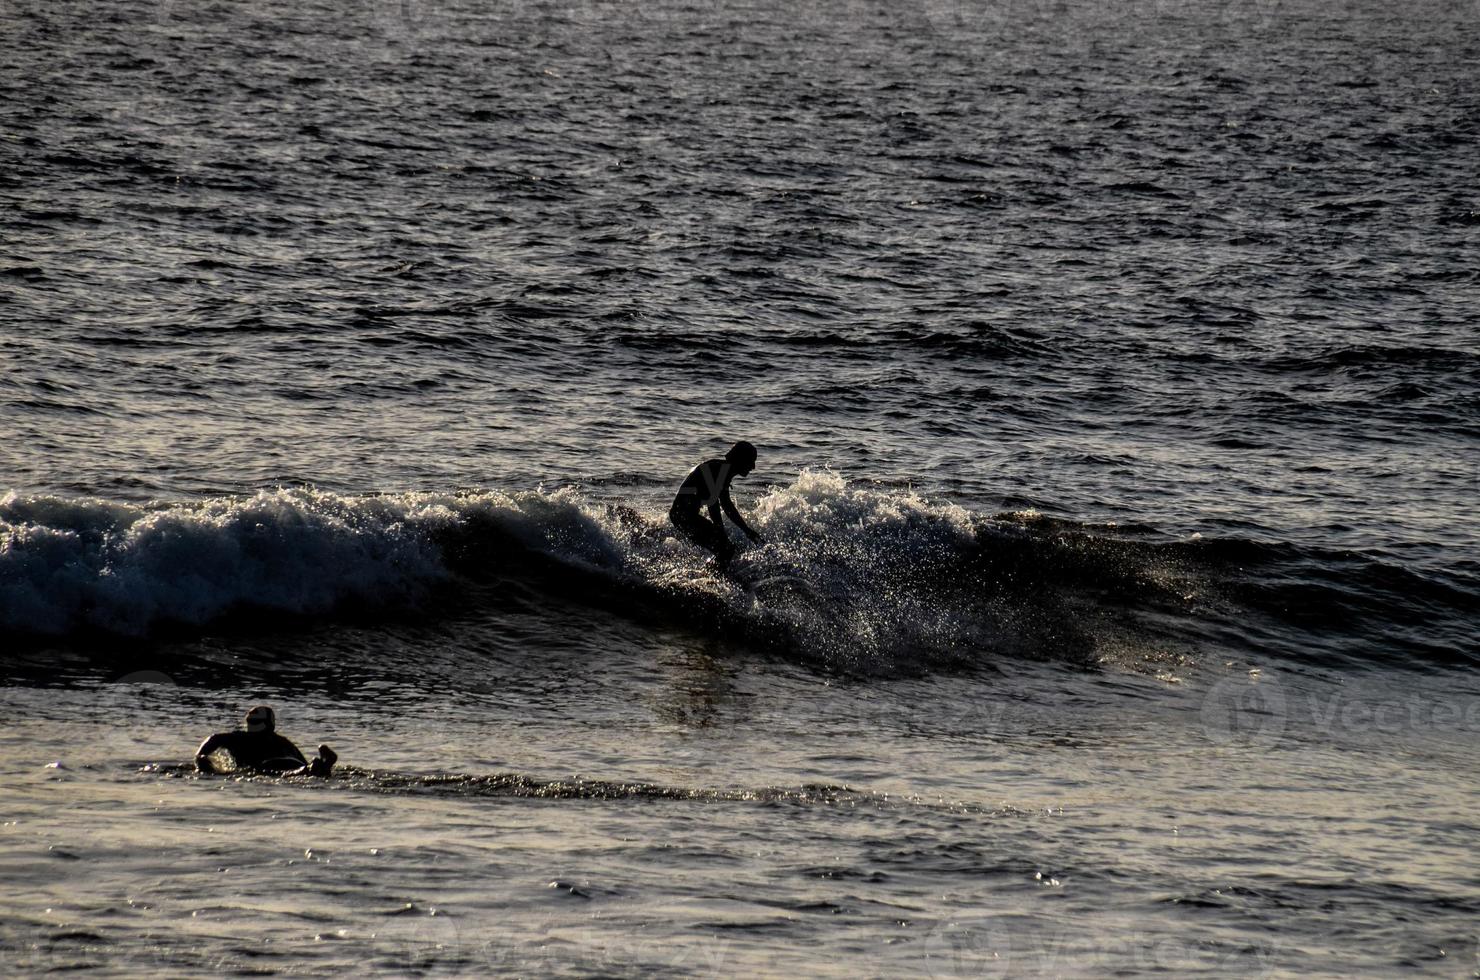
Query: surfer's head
x,y
742,457
261,719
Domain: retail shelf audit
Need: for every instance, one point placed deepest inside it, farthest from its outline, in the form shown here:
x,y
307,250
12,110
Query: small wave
x,y
1370,357
980,340
1143,188
523,786
850,577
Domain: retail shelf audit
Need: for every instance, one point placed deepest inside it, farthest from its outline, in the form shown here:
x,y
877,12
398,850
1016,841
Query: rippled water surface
x,y
1114,371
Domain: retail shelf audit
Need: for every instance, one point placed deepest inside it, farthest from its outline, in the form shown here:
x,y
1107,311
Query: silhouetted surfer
x,y
261,749
708,488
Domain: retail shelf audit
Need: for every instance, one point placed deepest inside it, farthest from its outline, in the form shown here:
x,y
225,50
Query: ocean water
x,y
1115,375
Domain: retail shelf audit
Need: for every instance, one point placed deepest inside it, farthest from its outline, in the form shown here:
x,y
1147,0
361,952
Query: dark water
x,y
1116,380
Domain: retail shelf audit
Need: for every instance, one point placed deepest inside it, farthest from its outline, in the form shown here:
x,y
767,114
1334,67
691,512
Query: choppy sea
x,y
1115,374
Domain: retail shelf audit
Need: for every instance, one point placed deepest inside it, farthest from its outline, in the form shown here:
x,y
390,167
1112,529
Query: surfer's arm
x,y
203,754
734,514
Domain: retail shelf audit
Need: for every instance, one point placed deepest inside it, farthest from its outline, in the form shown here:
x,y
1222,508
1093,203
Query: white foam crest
x,y
73,563
559,522
869,567
67,564
821,507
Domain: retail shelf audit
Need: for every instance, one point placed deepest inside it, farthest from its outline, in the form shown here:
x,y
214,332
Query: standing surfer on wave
x,y
261,749
708,488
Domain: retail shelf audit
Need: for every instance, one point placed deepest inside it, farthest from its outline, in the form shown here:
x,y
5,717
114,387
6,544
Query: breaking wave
x,y
851,577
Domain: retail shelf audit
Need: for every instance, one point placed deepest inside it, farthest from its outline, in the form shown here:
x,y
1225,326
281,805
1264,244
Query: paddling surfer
x,y
261,749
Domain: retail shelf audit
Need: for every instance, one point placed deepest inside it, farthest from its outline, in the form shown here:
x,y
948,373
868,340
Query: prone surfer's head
x,y
261,719
742,457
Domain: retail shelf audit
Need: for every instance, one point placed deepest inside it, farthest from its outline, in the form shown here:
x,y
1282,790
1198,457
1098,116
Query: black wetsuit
x,y
706,488
259,751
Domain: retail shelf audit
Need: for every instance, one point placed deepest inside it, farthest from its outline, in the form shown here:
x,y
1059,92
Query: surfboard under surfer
x,y
259,748
707,488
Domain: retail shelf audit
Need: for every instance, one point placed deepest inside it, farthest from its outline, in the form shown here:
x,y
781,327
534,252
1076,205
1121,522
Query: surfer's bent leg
x,y
703,532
